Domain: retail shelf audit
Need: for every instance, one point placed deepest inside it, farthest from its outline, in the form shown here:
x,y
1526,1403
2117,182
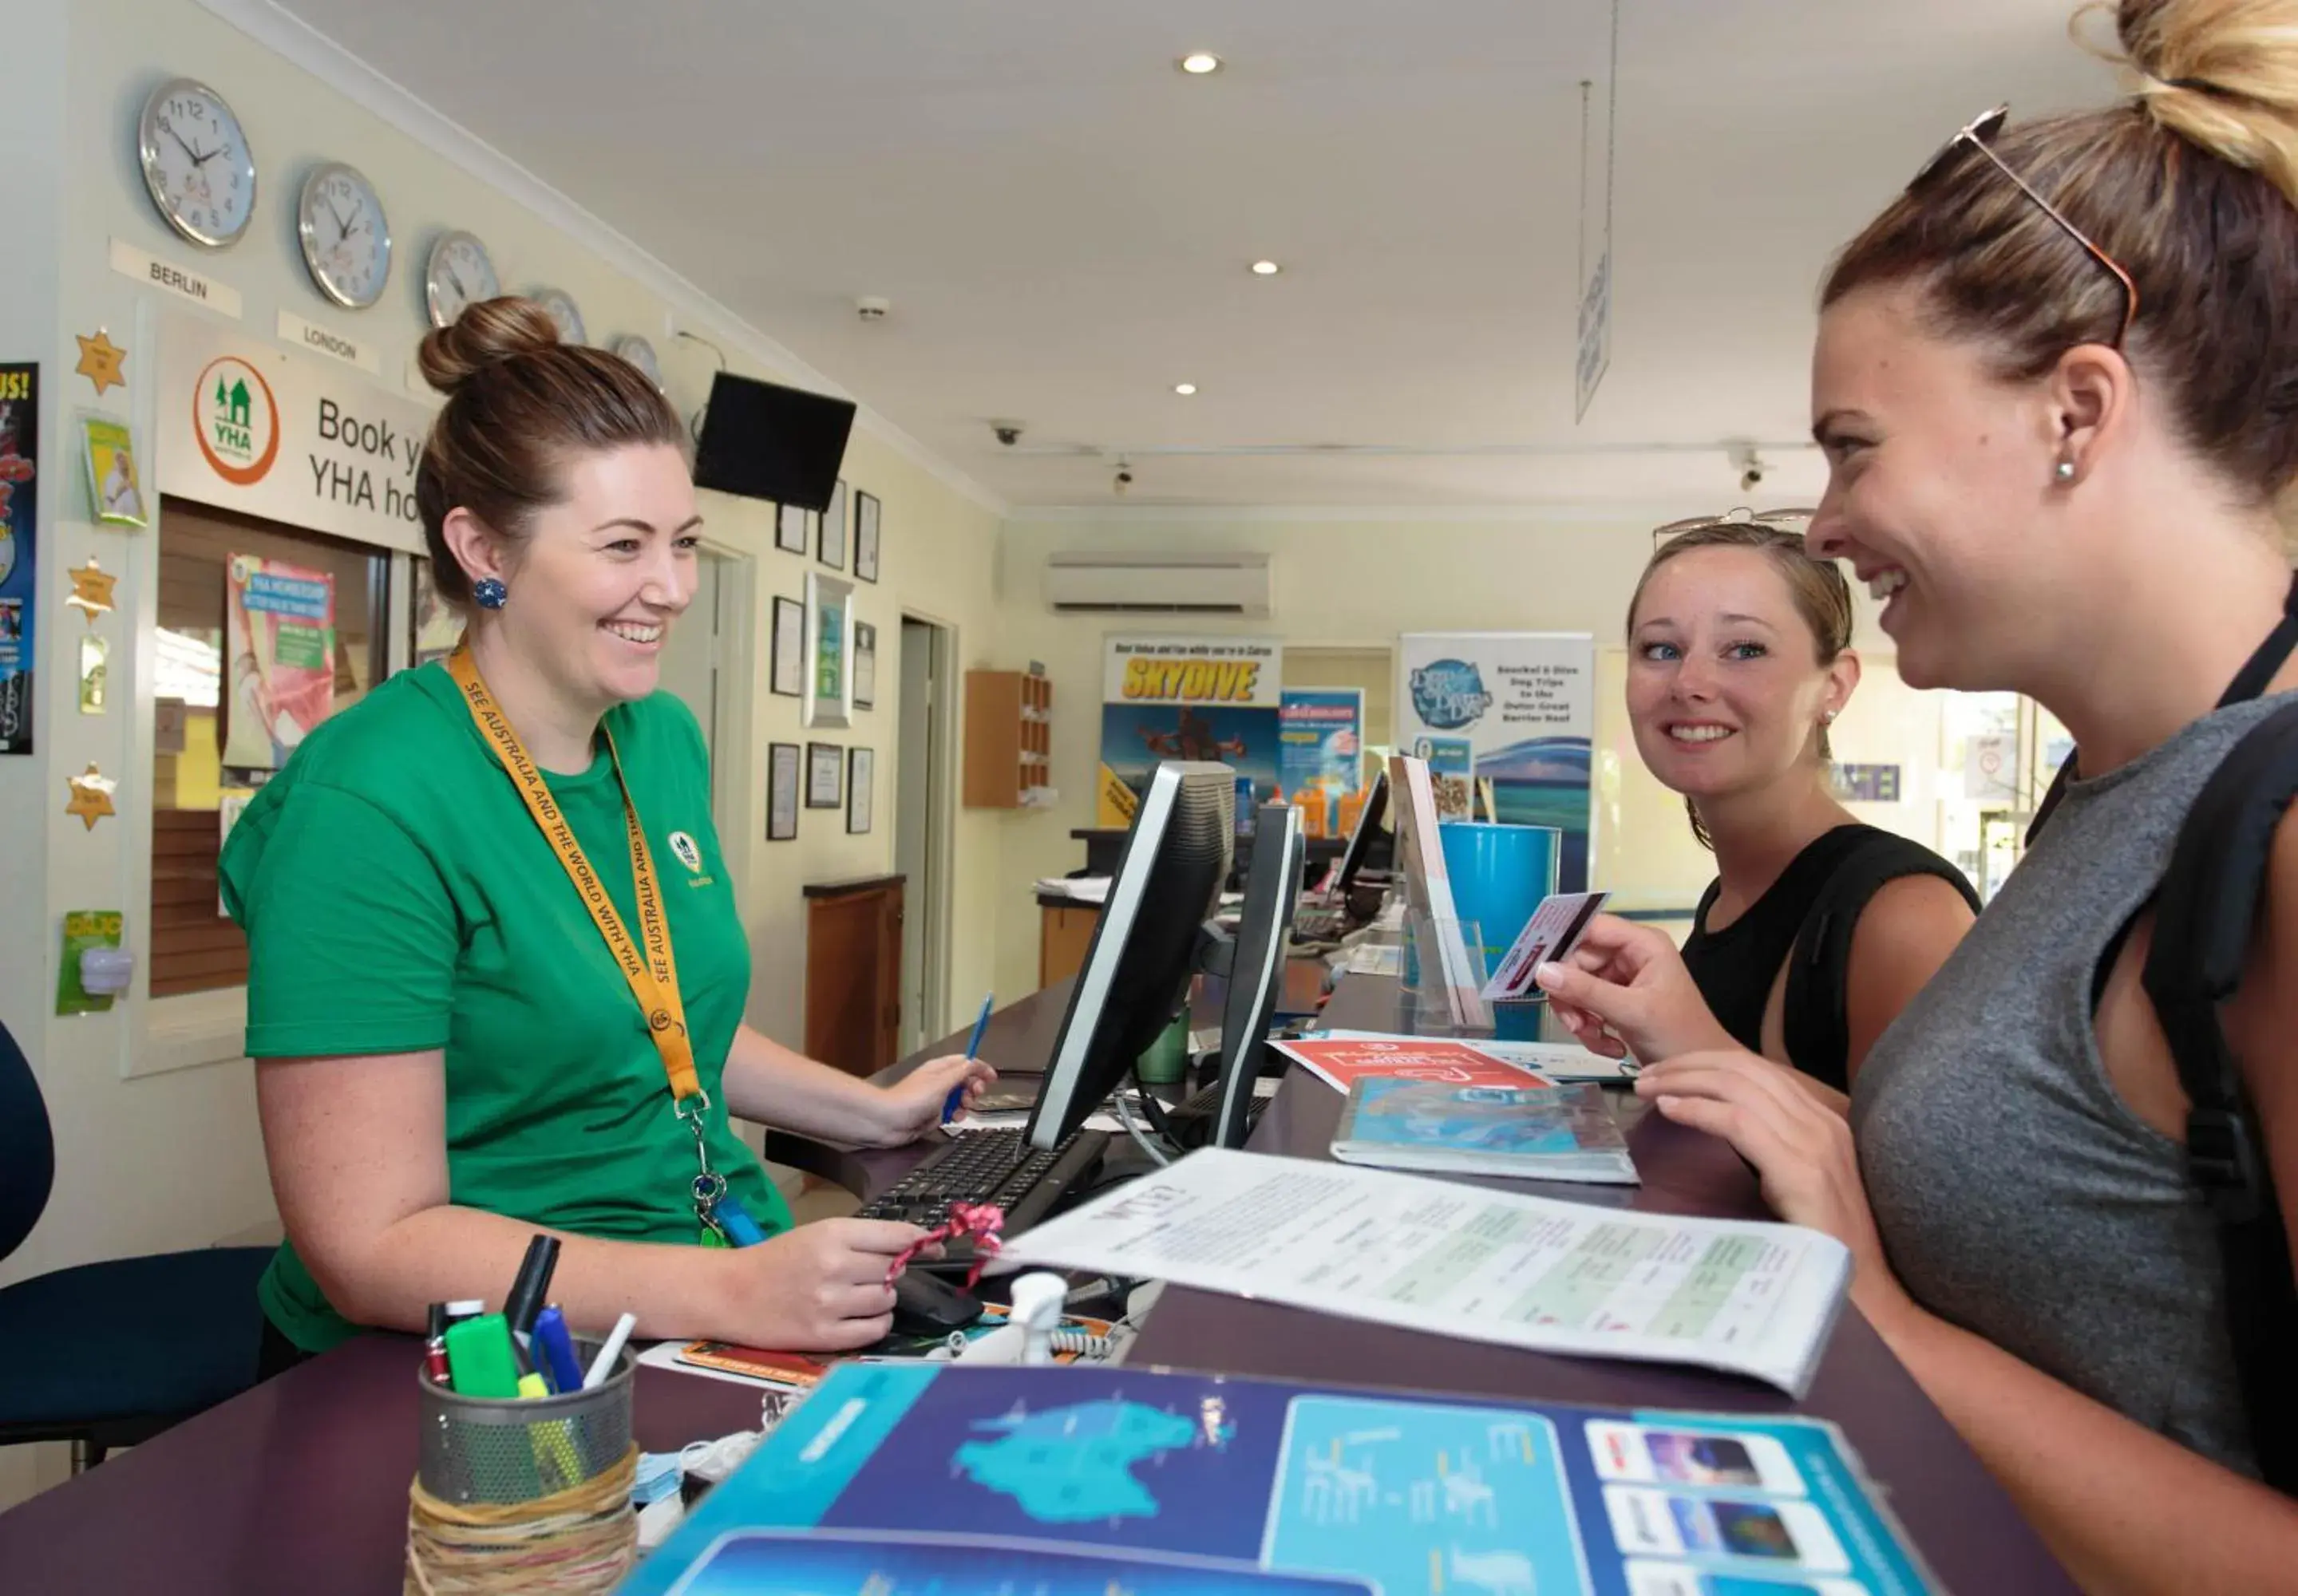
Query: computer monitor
x,y
1144,949
764,441
1361,840
1256,981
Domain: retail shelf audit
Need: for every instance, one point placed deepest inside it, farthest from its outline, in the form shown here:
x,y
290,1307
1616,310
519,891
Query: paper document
x,y
1340,1061
1557,1060
1453,1260
1082,889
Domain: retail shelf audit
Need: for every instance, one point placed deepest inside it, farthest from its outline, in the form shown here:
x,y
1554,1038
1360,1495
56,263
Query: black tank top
x,y
1808,913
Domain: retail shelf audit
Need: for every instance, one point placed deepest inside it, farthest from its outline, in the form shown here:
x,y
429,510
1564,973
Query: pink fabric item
x,y
980,1221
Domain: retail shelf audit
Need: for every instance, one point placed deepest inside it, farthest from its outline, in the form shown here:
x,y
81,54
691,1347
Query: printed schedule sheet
x,y
1429,1254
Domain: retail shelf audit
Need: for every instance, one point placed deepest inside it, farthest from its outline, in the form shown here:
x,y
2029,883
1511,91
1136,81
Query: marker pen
x,y
530,1290
434,1348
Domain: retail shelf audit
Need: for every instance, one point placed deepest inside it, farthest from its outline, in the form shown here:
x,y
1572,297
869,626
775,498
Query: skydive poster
x,y
1517,709
20,577
1186,698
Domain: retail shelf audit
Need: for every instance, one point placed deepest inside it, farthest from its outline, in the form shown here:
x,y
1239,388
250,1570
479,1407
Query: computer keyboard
x,y
990,1166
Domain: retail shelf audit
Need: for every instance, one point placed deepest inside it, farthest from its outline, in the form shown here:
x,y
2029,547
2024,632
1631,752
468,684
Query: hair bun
x,y
2222,74
487,333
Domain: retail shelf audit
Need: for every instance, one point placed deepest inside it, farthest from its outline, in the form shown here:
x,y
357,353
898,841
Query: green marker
x,y
479,1356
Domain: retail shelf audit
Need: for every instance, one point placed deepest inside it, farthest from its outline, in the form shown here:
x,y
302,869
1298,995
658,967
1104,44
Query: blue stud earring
x,y
490,592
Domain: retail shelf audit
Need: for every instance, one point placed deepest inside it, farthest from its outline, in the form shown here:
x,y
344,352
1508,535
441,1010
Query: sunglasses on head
x,y
1978,134
1789,522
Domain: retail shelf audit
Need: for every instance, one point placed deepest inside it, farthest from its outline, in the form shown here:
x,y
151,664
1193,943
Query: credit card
x,y
1554,930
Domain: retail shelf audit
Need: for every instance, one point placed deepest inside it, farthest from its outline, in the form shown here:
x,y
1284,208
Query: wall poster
x,y
1322,757
1186,698
20,566
279,638
1513,709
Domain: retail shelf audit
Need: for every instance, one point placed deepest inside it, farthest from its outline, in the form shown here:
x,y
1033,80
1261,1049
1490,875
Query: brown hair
x,y
2191,185
519,403
1822,597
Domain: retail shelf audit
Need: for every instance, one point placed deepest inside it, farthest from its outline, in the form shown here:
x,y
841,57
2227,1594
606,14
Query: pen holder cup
x,y
477,1450
528,1495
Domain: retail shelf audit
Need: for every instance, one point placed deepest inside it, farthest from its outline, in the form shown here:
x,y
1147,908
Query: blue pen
x,y
557,1350
972,1051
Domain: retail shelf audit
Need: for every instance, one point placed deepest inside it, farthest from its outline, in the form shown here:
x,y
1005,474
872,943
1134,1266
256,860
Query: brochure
x,y
1556,1060
1428,887
1340,1060
897,1479
1746,1296
1524,1132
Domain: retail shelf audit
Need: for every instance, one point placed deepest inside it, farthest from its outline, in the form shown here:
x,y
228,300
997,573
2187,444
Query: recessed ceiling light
x,y
1199,62
1266,268
1185,389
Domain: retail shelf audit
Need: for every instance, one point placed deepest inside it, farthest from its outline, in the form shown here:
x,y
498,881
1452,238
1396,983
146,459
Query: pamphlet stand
x,y
1424,966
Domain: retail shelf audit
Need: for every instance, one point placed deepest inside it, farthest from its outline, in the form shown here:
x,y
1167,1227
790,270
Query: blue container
x,y
1499,874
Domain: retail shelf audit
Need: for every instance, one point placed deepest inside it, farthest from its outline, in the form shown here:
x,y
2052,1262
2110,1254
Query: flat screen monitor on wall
x,y
764,441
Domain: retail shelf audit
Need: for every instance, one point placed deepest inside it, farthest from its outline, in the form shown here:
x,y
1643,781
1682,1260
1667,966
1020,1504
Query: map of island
x,y
1074,1464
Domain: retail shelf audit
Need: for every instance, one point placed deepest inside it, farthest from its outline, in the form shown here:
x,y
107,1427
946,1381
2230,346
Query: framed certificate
x,y
865,537
865,666
781,792
825,769
861,771
788,676
790,529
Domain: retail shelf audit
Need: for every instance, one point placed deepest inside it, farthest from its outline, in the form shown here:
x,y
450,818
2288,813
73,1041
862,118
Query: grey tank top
x,y
2015,1193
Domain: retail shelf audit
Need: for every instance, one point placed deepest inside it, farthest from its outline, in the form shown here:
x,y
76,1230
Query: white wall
x,y
1364,580
169,1160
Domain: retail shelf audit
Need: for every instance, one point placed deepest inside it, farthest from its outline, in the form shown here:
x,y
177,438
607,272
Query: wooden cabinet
x,y
854,972
1008,739
1064,932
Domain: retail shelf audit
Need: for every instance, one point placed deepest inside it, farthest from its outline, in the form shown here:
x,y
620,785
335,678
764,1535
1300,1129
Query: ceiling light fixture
x,y
1185,389
1266,268
1200,63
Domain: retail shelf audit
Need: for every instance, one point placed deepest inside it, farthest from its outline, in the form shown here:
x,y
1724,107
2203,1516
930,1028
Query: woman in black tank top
x,y
1738,658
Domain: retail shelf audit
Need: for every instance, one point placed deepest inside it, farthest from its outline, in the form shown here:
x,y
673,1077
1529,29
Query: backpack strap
x,y
1816,1012
2205,913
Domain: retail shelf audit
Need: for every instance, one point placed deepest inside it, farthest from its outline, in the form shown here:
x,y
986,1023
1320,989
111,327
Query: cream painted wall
x,y
151,1160
1353,582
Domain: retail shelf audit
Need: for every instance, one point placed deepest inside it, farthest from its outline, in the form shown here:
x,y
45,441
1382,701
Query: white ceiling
x,y
1064,221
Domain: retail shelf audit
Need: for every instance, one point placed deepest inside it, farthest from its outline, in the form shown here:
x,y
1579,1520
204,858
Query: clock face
x,y
640,353
459,275
197,163
565,312
346,240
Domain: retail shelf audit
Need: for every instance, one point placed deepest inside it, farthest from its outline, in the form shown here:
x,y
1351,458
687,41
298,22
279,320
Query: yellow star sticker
x,y
100,360
91,797
91,593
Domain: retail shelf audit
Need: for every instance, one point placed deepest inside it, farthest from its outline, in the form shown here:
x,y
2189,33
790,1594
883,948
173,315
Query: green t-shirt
x,y
397,897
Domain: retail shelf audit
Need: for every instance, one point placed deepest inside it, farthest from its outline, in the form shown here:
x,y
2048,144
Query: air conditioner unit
x,y
1087,583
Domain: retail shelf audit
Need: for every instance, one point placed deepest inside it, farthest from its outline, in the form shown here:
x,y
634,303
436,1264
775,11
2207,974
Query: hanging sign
x,y
245,426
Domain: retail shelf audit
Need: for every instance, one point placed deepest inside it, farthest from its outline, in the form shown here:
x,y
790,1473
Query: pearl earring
x,y
2066,471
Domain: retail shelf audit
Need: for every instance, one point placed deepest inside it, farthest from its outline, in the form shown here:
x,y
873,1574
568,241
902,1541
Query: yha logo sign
x,y
236,419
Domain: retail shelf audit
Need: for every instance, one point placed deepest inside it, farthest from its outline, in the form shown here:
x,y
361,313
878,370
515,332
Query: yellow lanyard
x,y
653,974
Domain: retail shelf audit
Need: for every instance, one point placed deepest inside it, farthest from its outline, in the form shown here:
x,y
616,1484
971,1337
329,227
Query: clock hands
x,y
180,144
343,227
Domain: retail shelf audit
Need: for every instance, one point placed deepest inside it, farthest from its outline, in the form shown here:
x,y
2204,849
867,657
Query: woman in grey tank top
x,y
2056,383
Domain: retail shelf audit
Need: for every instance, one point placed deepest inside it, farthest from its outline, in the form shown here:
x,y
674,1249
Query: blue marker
x,y
557,1351
972,1051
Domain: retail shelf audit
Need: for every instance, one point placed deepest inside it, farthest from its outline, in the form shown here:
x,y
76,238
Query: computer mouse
x,y
926,1306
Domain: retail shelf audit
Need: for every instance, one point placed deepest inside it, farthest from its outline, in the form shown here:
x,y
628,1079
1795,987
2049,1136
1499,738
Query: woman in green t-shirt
x,y
497,974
